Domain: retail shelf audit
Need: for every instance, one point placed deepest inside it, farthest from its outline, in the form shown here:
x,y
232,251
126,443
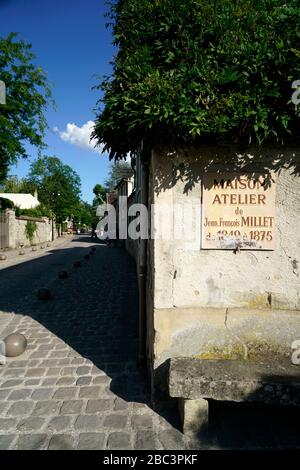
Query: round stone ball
x,y
48,244
3,257
77,264
44,294
15,345
34,248
63,275
42,247
21,252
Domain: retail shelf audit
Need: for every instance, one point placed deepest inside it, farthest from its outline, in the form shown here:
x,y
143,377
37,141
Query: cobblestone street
x,y
77,386
149,231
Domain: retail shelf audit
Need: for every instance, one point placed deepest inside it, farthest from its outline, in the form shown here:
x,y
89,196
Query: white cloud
x,y
79,136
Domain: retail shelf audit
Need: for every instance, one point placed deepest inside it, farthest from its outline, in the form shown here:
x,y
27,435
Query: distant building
x,y
125,187
23,201
111,197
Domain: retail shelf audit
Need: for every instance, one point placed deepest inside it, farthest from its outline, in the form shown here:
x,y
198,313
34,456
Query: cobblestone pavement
x,y
77,386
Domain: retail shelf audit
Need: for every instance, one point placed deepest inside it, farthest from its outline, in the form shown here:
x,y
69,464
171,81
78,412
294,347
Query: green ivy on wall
x,y
30,230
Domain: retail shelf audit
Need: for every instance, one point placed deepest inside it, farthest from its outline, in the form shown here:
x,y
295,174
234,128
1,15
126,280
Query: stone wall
x,y
221,303
17,233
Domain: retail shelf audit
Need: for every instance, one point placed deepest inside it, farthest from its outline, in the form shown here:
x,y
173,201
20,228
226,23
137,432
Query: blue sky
x,y
73,46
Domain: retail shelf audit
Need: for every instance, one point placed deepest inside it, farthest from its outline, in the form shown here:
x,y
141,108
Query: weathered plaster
x,y
194,289
252,334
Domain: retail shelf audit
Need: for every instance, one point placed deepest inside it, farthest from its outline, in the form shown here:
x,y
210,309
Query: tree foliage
x,y
27,97
84,214
201,71
13,184
58,186
100,193
30,230
40,211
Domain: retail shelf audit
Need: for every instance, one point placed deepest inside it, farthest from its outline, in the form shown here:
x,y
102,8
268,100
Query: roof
x,y
23,201
124,180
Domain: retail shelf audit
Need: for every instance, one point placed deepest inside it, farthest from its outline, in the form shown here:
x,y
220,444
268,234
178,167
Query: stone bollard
x,y
15,345
42,247
21,252
44,294
34,248
3,258
77,264
63,275
48,244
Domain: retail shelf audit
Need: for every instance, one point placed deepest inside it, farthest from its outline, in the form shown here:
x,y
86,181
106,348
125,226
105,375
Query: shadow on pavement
x,y
94,311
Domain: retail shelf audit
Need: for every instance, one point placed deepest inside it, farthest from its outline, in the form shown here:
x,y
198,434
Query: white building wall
x,y
217,301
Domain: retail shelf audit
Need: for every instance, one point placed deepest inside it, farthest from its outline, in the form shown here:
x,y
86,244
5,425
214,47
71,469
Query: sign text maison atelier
x,y
238,211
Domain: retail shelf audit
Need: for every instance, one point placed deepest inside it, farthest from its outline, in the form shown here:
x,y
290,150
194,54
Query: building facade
x,y
230,291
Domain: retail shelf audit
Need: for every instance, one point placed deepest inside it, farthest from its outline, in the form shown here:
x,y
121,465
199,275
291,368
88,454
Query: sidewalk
x,y
14,258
